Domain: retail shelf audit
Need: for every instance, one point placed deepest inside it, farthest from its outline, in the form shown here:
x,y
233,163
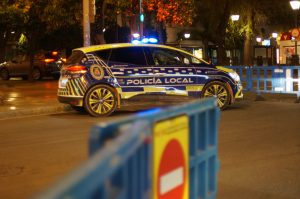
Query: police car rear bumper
x,y
74,101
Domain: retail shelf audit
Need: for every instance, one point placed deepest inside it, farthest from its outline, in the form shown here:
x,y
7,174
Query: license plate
x,y
63,82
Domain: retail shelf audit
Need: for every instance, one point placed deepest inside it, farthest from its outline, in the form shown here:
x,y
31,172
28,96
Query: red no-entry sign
x,y
171,159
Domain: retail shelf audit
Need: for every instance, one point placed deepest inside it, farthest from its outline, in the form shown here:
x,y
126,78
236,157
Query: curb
x,y
36,111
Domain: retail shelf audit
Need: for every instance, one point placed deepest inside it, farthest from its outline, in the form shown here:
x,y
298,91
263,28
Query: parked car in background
x,y
102,78
44,65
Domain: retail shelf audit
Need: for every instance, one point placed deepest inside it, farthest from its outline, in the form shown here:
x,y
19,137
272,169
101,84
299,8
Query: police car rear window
x,y
103,54
128,56
75,57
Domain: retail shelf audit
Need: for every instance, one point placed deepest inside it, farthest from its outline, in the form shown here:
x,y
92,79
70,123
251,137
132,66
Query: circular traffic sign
x,y
171,172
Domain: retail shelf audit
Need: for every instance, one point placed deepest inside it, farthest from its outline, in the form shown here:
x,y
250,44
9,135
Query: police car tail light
x,y
77,69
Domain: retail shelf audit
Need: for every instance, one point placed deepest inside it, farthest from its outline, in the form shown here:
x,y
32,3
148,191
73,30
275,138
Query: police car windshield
x,y
75,57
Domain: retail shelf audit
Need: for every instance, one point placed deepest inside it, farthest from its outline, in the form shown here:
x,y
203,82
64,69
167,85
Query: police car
x,y
100,78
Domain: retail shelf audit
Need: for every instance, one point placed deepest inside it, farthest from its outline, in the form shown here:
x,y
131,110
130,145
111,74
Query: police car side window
x,y
128,56
166,57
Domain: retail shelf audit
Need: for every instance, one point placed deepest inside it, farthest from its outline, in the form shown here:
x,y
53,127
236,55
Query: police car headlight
x,y
235,76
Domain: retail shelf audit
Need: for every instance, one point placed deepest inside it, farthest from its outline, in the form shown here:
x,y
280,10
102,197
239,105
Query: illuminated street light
x,y
187,35
136,35
258,39
274,35
235,17
295,4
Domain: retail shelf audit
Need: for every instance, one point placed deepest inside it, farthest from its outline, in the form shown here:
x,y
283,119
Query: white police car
x,y
100,78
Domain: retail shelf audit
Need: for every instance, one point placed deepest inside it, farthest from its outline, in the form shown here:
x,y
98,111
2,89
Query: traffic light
x,y
142,17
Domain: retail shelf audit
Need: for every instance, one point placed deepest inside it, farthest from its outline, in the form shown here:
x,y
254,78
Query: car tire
x,y
36,74
218,90
4,74
100,100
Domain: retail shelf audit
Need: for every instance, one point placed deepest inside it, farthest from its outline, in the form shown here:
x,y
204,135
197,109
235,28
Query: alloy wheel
x,y
218,90
100,101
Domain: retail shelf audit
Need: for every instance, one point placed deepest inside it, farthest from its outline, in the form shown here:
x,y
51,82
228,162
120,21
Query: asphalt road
x,y
259,150
36,151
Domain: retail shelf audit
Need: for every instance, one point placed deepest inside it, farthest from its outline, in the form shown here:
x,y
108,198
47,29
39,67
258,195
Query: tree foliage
x,y
11,16
257,18
38,19
179,12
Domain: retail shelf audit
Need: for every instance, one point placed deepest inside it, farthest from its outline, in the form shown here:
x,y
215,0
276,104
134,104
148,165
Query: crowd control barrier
x,y
160,153
270,79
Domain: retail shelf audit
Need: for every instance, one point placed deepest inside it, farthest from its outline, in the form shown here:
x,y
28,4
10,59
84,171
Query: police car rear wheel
x,y
100,100
218,90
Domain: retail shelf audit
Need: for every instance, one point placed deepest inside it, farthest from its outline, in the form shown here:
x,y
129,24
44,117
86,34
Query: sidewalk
x,y
22,98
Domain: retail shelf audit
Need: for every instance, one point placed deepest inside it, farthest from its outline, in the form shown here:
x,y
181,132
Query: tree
x,y
174,12
11,17
261,18
256,18
211,23
111,20
179,12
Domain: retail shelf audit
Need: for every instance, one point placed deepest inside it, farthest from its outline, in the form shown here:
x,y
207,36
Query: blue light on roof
x,y
135,41
153,40
145,40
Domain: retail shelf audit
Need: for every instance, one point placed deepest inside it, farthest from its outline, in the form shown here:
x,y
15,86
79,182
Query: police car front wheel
x,y
218,90
100,100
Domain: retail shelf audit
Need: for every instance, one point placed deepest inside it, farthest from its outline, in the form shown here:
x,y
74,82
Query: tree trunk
x,y
3,42
205,50
31,51
222,56
160,29
247,58
247,51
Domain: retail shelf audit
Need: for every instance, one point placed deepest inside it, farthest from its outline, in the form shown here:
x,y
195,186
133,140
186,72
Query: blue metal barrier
x,y
121,156
270,79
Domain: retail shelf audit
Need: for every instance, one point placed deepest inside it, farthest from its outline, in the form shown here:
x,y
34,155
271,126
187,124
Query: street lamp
x,y
258,39
187,35
295,4
235,17
274,35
